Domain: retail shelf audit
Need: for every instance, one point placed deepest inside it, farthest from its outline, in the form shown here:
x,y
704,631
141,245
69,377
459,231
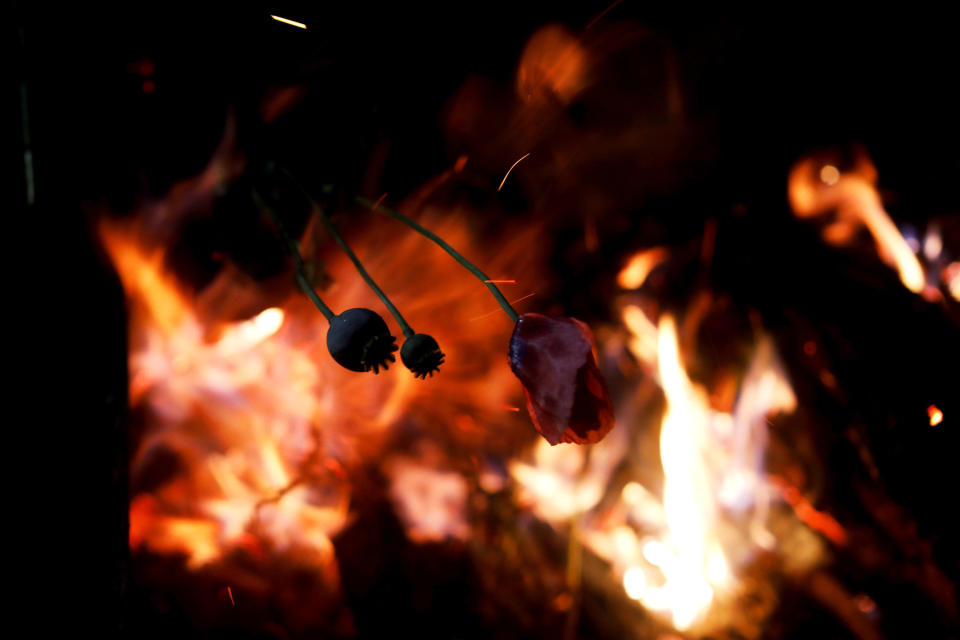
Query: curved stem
x,y
295,252
510,311
407,330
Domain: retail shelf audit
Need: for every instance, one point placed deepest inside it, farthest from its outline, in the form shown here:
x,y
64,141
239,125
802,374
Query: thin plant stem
x,y
469,266
295,252
407,330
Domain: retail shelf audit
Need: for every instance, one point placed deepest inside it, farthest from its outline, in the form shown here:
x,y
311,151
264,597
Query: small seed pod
x,y
421,354
359,340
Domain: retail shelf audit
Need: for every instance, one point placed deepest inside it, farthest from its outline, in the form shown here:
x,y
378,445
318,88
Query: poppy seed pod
x,y
567,397
421,354
359,340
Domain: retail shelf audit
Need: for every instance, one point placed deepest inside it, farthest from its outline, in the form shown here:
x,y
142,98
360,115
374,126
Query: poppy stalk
x,y
553,357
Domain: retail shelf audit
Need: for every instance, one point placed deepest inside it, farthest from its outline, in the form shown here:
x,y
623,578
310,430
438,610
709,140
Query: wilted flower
x,y
567,396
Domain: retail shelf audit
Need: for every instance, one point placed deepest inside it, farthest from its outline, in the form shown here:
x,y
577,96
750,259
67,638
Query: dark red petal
x,y
566,395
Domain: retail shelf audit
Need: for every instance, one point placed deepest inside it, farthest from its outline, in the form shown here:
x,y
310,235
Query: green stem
x,y
295,252
407,330
446,247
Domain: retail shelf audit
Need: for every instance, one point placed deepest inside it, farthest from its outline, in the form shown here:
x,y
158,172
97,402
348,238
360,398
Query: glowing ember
x,y
854,197
935,415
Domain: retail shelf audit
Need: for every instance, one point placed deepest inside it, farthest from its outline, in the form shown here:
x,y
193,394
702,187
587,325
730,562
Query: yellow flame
x,y
712,463
643,334
691,514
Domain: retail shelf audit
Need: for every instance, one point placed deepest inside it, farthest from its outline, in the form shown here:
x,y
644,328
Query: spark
x,y
377,203
507,407
498,309
290,22
230,593
602,13
501,281
523,298
509,170
936,416
865,603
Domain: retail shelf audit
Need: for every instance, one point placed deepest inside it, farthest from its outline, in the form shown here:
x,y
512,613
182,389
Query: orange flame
x,y
854,197
553,66
266,428
635,273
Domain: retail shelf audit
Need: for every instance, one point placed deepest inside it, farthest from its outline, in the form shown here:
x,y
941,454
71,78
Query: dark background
x,y
766,88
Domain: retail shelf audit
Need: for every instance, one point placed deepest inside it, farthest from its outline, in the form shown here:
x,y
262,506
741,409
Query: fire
x,y
853,195
935,415
676,554
431,502
553,66
635,273
712,465
252,433
951,275
691,509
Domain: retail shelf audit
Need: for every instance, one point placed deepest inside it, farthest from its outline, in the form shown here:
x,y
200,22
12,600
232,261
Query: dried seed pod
x,y
421,354
359,340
